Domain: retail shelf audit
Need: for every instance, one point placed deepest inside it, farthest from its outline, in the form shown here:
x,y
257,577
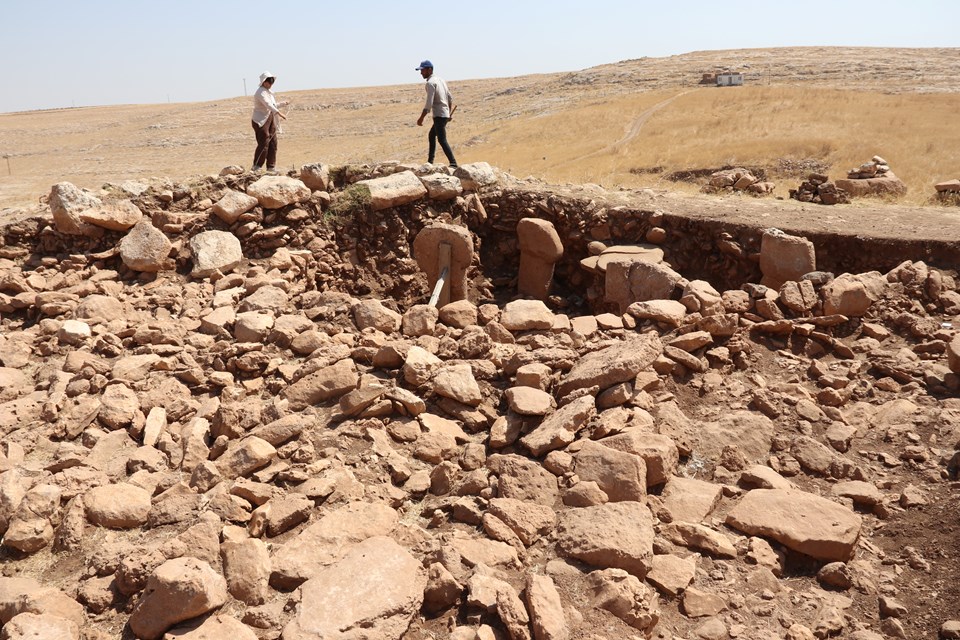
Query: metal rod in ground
x,y
9,173
437,288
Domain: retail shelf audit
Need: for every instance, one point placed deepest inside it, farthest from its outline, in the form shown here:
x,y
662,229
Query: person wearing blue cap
x,y
440,102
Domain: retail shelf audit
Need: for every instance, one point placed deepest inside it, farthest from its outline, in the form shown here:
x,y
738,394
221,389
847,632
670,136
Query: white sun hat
x,y
265,75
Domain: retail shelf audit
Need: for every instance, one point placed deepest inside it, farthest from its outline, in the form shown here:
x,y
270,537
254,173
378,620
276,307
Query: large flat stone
x,y
801,521
373,592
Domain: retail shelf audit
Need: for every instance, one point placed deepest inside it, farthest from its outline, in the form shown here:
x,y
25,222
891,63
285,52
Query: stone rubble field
x,y
226,412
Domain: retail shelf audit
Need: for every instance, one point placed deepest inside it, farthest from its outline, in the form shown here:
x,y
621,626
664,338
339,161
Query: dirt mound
x,y
207,444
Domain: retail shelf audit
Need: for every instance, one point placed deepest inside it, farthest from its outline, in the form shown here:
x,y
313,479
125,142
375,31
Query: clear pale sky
x,y
62,53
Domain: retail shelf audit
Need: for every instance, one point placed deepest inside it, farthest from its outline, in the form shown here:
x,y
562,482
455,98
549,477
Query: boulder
x,y
115,216
801,521
372,313
145,248
220,627
559,428
273,192
630,280
626,597
32,626
316,176
613,365
476,175
178,590
246,565
659,452
615,535
325,541
325,384
233,205
887,184
528,401
546,609
622,476
784,257
67,201
442,186
393,190
117,506
526,315
459,314
214,251
845,295
385,586
670,312
457,383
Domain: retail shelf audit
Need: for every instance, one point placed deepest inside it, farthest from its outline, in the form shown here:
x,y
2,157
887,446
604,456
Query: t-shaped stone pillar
x,y
445,245
540,248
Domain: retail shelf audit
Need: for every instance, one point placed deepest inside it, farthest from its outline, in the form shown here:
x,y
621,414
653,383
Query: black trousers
x,y
439,132
266,144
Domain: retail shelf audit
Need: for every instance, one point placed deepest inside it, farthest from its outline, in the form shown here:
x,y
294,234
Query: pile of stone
x,y
738,179
234,448
818,188
872,178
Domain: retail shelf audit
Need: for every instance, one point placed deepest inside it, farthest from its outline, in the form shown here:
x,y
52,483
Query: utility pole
x,y
7,157
244,87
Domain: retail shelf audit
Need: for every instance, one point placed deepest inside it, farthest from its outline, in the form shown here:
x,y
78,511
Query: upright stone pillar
x,y
540,248
445,245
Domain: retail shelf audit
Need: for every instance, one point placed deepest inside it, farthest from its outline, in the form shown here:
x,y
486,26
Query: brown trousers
x,y
266,143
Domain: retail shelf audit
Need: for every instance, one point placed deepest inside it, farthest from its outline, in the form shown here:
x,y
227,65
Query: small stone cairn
x,y
738,179
872,178
818,188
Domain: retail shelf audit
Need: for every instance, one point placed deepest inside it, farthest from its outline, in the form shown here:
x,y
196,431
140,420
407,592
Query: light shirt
x,y
264,106
439,97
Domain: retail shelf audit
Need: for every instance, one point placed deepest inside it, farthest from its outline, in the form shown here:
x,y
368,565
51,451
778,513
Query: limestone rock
x,y
622,476
372,313
31,626
273,192
145,248
325,384
613,365
442,186
316,176
475,175
616,534
626,597
559,428
115,216
178,590
233,205
385,584
117,506
784,257
800,521
66,203
393,190
526,315
214,251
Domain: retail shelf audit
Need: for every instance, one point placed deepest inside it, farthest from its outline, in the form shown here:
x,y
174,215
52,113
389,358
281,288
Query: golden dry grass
x,y
838,106
754,126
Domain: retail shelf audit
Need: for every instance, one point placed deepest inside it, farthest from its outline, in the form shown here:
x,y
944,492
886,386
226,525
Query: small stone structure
x,y
872,178
540,248
818,188
738,179
445,245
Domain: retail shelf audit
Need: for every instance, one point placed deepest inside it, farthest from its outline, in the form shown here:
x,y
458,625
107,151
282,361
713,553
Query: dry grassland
x,y
837,106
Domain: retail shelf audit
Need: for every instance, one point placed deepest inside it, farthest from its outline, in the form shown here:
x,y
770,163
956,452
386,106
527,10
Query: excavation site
x,y
392,401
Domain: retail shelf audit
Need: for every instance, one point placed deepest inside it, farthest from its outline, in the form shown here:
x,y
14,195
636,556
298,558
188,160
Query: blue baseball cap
x,y
426,64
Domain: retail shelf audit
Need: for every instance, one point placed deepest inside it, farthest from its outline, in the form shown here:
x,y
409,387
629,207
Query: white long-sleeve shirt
x,y
439,97
264,106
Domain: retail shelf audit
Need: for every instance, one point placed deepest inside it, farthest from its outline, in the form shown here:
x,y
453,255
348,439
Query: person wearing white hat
x,y
440,102
266,122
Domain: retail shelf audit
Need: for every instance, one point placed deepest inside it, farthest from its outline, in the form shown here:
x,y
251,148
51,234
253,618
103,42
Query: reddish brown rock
x,y
800,521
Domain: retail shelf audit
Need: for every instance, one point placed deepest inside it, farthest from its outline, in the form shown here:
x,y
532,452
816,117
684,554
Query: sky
x,y
99,52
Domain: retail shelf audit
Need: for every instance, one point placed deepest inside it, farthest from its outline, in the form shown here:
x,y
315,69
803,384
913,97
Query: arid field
x,y
628,124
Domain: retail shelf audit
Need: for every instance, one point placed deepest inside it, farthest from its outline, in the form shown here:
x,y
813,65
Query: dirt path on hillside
x,y
631,132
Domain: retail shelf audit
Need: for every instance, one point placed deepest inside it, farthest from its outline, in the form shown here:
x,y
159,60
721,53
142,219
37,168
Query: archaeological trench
x,y
379,402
